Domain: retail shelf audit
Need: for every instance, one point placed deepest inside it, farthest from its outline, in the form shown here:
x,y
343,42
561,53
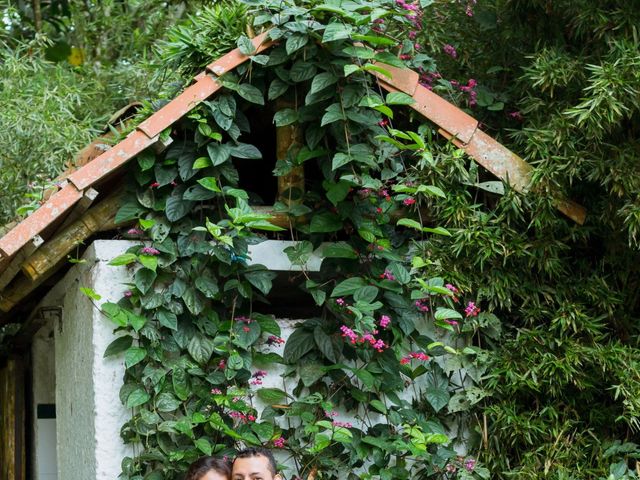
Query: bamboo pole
x,y
57,248
291,186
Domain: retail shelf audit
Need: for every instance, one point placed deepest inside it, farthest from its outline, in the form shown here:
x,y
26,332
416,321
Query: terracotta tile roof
x,y
453,123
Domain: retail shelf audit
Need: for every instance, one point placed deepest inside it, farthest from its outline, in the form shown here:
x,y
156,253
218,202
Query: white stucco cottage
x,y
60,410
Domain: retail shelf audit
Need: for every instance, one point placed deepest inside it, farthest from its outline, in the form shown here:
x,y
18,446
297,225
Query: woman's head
x,y
209,468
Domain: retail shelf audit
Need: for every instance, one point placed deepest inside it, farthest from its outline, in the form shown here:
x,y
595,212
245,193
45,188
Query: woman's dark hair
x,y
203,465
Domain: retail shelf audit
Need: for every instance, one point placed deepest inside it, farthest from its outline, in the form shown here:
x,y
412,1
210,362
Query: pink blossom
x,y
472,310
412,35
409,201
405,56
274,340
387,275
516,116
128,294
385,320
251,418
348,333
150,251
216,391
340,301
470,464
330,414
134,231
154,185
420,305
379,345
450,50
423,357
279,442
451,287
246,329
336,423
451,468
222,364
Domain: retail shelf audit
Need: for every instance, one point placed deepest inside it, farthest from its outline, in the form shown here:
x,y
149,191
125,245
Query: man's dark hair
x,y
204,465
259,452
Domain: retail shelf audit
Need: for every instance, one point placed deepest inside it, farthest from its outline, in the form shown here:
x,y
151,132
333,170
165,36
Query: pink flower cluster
x,y
279,442
257,377
427,79
385,320
134,231
149,251
216,391
423,357
409,201
384,193
244,418
414,14
471,310
274,340
450,50
470,464
453,290
469,89
421,305
387,275
368,337
337,423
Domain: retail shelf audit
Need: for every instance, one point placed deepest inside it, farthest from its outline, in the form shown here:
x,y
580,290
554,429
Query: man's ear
x,y
277,476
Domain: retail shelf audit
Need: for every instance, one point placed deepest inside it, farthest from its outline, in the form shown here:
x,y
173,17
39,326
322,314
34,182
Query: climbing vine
x,y
382,381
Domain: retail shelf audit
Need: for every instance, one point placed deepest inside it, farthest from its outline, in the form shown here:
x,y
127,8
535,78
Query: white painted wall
x,y
88,408
89,411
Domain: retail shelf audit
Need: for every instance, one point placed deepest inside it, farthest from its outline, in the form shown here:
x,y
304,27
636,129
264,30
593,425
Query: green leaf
x,y
348,287
447,313
322,81
246,48
246,334
180,383
90,293
366,294
340,159
378,405
285,117
336,31
261,279
146,160
245,150
431,190
210,183
200,348
218,153
339,250
167,319
399,98
263,430
302,70
277,88
325,222
333,114
116,314
271,395
166,402
310,373
299,343
143,279
251,93
367,379
136,398
438,398
134,356
207,286
375,40
338,192
176,208
351,68
296,42
124,259
119,345
407,222
204,446
149,261
136,321
324,343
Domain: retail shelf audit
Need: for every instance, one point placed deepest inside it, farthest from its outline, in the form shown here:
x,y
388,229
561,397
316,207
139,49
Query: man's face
x,y
252,468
